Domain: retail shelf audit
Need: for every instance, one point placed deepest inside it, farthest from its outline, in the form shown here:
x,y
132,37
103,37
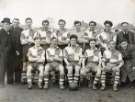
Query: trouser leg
x,y
46,76
70,74
40,78
10,71
77,74
29,75
2,71
18,70
62,76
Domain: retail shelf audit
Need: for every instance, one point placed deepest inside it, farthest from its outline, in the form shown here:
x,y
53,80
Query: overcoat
x,y
6,56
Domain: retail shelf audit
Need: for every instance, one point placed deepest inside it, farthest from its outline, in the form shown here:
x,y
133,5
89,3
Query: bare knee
x,y
98,72
77,69
70,69
83,72
41,69
29,70
47,69
61,69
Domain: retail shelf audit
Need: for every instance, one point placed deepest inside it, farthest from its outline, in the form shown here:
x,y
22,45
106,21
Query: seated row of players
x,y
74,55
111,60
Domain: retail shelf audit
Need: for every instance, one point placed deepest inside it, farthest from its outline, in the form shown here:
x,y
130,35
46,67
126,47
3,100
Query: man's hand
x,y
83,67
68,64
79,63
56,58
133,68
40,60
17,53
116,69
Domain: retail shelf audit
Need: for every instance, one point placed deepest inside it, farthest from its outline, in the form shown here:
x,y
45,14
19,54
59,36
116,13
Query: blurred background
x,y
70,10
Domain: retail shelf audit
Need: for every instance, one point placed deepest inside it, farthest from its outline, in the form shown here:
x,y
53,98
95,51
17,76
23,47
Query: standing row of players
x,y
81,52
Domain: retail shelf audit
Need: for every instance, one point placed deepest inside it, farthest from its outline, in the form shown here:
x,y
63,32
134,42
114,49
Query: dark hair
x,y
16,19
77,22
92,40
62,20
28,18
53,38
108,22
117,30
93,23
124,23
73,36
45,21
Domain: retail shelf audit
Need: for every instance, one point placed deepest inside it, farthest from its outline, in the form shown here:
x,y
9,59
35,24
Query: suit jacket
x,y
125,36
129,63
16,33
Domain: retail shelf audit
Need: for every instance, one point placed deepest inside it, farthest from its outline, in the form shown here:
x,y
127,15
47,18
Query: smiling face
x,y
16,22
125,25
92,26
61,24
54,42
92,44
108,27
78,26
73,41
28,23
45,24
37,42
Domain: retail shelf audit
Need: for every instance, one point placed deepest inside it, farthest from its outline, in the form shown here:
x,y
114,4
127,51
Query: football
x,y
73,86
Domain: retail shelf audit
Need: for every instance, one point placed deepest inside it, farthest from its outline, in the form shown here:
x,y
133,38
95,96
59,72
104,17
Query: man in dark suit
x,y
125,35
128,69
6,53
16,32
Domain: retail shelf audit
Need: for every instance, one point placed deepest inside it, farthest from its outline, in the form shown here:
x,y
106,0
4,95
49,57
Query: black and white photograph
x,y
67,50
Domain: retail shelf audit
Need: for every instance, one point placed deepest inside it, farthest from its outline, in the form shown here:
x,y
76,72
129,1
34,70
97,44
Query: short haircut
x,y
77,22
124,23
108,22
61,20
93,23
53,38
45,21
117,30
28,18
16,19
92,40
73,36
